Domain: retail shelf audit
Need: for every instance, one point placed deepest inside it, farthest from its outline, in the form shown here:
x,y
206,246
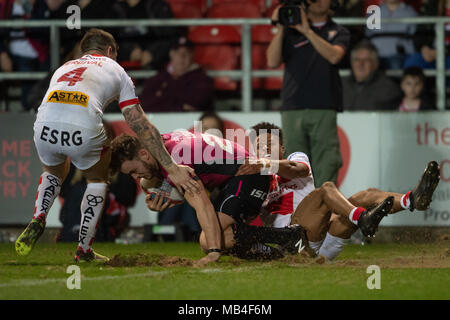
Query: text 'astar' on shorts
x,y
68,97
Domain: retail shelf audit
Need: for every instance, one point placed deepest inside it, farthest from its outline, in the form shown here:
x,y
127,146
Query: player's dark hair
x,y
268,127
123,147
215,116
98,40
414,72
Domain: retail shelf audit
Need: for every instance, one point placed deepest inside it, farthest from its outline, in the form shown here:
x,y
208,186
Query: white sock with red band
x,y
47,191
91,209
355,213
405,202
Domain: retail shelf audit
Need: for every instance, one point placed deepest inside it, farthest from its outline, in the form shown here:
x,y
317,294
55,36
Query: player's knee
x,y
328,185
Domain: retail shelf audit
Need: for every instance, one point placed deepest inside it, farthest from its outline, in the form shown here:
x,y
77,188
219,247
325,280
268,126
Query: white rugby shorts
x,y
57,141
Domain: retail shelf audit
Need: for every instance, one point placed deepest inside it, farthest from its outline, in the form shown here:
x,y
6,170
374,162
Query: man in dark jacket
x,y
182,86
368,88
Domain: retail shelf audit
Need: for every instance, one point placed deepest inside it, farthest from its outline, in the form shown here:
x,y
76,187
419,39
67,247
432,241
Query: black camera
x,y
289,14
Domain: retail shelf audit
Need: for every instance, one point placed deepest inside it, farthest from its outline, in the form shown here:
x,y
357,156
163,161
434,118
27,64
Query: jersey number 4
x,y
72,76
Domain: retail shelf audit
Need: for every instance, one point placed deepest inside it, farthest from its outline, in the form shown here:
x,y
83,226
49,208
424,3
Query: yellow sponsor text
x,y
68,97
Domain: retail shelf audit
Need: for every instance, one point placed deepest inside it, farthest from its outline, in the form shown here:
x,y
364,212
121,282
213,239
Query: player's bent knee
x,y
328,185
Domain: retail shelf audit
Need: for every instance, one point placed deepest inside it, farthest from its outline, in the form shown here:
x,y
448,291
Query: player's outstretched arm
x,y
148,134
285,168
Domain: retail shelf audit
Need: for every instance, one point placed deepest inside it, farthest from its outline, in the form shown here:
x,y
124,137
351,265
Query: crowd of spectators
x,y
181,83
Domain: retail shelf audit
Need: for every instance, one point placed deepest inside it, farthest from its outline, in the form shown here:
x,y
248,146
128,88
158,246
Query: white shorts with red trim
x,y
57,141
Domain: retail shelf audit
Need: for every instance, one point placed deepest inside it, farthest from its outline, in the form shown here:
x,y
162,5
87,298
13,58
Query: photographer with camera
x,y
311,45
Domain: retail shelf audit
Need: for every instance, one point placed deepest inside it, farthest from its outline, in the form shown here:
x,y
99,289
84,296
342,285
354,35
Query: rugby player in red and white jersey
x,y
328,217
69,128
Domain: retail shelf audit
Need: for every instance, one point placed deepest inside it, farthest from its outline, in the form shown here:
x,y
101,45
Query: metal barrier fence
x,y
246,73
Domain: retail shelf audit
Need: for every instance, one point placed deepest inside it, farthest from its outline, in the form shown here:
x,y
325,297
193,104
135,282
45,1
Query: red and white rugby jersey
x,y
81,89
286,194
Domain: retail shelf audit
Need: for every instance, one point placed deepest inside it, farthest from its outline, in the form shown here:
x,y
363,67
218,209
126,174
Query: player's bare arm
x,y
150,137
207,217
286,168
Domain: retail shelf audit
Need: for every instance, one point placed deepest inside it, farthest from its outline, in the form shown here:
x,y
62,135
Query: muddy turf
x,y
165,271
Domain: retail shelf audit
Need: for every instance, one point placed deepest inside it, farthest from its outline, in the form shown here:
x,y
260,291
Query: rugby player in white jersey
x,y
328,217
69,128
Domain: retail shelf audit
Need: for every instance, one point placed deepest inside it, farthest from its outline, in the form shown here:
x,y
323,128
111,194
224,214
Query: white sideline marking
x,y
29,283
26,283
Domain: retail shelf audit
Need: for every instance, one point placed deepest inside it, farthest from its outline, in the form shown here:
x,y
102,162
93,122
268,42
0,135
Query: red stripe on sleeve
x,y
127,103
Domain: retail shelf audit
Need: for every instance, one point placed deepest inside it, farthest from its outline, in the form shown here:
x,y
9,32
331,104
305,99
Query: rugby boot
x,y
420,197
370,219
88,256
26,241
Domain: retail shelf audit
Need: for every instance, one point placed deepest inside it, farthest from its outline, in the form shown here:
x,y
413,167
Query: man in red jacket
x,y
182,86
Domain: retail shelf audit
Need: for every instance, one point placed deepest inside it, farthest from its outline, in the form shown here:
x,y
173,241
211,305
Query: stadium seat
x,y
200,4
258,63
219,57
263,33
269,11
234,10
261,4
214,34
185,10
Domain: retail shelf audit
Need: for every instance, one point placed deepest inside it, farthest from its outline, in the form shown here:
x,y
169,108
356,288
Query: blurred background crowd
x,y
182,55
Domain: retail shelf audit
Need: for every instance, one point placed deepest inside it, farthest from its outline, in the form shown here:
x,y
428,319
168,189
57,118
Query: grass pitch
x,y
164,271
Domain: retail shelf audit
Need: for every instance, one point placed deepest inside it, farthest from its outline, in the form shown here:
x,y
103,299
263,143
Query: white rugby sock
x,y
47,191
331,246
316,245
91,208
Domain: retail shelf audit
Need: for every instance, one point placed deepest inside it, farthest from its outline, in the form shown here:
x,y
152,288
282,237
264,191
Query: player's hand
x,y
304,26
210,258
275,13
157,203
184,179
253,166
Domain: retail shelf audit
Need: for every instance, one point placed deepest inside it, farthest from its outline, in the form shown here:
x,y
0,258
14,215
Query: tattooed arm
x,y
150,137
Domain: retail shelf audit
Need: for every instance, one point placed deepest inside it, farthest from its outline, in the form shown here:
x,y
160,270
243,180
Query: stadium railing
x,y
246,73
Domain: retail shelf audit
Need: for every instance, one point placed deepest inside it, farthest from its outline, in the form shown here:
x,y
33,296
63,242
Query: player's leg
x,y
313,214
241,199
48,190
92,204
367,219
418,198
339,232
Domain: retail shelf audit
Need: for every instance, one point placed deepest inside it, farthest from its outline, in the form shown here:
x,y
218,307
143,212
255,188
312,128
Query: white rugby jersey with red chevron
x,y
286,194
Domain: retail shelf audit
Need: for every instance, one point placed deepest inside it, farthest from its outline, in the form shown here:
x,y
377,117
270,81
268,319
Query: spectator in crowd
x,y
312,90
147,46
368,88
394,41
28,48
5,66
424,40
413,84
182,86
211,121
90,9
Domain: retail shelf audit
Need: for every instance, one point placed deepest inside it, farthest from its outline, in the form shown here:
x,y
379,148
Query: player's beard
x,y
153,170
